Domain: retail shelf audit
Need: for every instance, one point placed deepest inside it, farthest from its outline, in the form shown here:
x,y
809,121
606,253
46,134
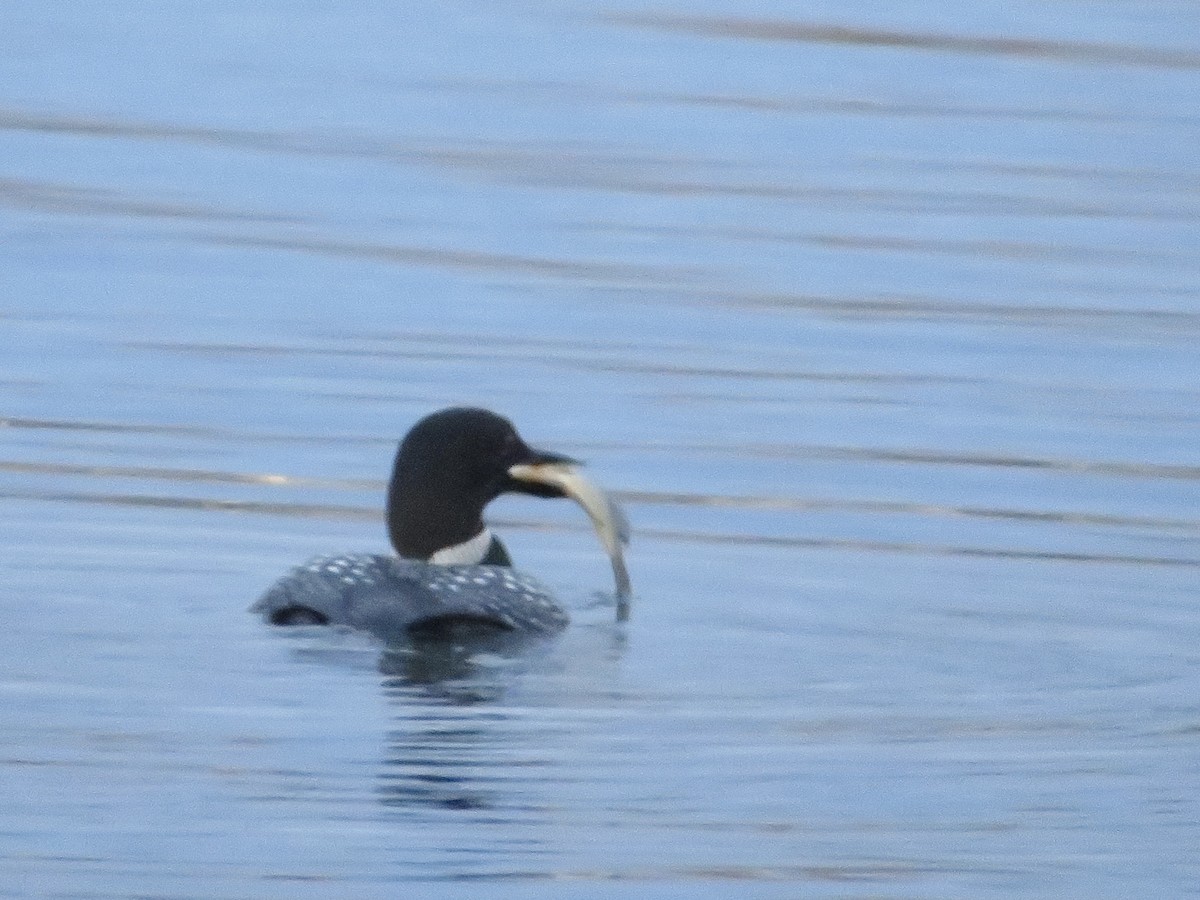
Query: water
x,y
882,322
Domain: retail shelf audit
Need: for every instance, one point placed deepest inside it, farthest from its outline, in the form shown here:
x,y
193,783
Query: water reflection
x,y
452,744
438,766
463,670
473,723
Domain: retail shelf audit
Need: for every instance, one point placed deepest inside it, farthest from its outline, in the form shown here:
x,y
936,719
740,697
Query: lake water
x,y
881,320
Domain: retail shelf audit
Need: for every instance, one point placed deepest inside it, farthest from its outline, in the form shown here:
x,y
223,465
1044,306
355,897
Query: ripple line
x,y
814,33
1181,471
660,498
187,475
327,511
560,360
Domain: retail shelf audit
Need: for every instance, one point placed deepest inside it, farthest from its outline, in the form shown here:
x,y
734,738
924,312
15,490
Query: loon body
x,y
451,572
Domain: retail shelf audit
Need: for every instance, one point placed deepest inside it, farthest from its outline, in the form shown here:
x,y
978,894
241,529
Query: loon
x,y
451,573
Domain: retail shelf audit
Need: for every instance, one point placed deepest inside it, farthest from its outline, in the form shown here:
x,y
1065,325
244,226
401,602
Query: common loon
x,y
451,572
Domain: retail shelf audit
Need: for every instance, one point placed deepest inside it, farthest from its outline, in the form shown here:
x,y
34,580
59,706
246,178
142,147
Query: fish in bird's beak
x,y
562,475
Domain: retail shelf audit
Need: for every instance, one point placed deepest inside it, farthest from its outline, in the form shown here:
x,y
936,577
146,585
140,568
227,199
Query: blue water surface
x,y
881,322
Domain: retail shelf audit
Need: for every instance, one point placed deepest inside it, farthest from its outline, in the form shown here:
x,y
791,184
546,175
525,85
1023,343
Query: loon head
x,y
450,466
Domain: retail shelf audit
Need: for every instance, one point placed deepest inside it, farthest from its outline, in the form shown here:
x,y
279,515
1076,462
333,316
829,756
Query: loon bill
x,y
450,572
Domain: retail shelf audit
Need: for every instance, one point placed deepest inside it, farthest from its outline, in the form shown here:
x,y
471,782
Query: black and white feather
x,y
396,599
450,572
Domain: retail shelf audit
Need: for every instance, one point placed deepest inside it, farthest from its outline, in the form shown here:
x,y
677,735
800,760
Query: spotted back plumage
x,y
396,599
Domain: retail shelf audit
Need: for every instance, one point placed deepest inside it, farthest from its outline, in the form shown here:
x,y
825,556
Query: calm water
x,y
882,322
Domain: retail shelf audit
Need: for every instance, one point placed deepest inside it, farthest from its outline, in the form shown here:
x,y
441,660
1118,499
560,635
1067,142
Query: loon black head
x,y
450,466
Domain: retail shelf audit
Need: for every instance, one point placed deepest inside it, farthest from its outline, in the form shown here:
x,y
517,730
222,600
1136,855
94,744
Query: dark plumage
x,y
451,572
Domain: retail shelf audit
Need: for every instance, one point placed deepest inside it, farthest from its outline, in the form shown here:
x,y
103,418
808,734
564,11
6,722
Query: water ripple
x,y
374,514
1074,52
